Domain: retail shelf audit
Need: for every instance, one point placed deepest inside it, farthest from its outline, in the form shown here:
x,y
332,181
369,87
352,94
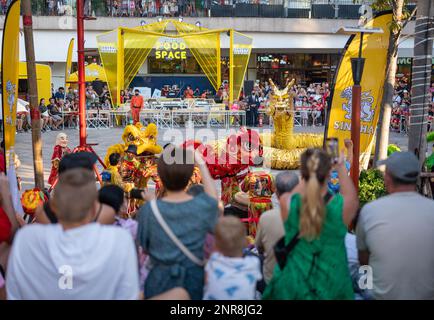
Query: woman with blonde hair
x,y
312,261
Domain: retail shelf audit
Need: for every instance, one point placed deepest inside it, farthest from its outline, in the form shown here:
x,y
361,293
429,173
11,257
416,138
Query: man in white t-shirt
x,y
395,234
76,258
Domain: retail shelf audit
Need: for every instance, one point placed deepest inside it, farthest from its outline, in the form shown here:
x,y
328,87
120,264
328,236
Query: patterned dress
x,y
260,188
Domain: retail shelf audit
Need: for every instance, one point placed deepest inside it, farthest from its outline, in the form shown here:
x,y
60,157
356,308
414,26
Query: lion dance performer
x,y
137,165
60,150
231,165
260,188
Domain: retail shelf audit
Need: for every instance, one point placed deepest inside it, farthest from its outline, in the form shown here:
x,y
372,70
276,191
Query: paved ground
x,y
107,137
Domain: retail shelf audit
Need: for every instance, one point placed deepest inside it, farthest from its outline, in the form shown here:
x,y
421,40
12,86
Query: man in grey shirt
x,y
270,228
395,234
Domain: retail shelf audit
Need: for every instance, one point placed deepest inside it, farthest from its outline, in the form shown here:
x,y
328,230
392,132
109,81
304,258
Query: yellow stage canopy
x,y
92,71
124,50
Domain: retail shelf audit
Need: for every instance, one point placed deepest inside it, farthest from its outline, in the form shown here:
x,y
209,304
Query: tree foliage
x,y
399,21
371,186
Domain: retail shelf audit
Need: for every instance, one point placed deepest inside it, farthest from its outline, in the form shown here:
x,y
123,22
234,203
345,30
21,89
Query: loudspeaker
x,y
248,87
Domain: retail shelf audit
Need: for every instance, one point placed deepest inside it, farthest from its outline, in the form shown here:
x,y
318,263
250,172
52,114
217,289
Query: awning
x,y
93,71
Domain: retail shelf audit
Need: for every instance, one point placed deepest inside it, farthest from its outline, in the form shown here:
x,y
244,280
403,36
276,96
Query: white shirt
x,y
231,278
88,262
352,254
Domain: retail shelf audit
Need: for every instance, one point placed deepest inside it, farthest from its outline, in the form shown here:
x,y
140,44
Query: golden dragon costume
x,y
283,147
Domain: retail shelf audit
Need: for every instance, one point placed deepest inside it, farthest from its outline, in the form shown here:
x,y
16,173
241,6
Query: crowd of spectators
x,y
61,110
81,243
400,106
152,8
400,118
133,8
310,102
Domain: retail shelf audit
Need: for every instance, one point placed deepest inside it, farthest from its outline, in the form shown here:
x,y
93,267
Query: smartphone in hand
x,y
332,149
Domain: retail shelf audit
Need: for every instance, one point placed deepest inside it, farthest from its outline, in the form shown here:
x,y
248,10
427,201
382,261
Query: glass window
x,y
187,66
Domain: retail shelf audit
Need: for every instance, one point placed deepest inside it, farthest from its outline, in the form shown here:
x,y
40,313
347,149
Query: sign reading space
x,y
170,49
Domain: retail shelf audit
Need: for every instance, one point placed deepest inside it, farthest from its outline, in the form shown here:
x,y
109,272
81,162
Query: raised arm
x,y
349,146
207,180
348,191
7,205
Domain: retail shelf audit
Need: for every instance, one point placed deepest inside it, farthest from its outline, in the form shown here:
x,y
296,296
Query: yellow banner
x,y
375,53
69,60
10,70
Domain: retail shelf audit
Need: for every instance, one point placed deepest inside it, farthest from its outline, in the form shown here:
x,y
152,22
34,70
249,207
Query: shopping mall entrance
x,y
305,68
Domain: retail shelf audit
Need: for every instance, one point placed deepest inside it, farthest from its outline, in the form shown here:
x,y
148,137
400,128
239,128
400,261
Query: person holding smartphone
x,y
316,222
333,183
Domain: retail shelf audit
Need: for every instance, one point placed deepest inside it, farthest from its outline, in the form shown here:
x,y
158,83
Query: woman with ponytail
x,y
314,265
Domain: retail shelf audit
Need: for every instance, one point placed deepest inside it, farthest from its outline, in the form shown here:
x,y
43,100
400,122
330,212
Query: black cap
x,y
84,160
132,149
112,196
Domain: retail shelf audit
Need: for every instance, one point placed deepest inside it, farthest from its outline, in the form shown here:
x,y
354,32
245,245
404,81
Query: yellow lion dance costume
x,y
283,147
145,138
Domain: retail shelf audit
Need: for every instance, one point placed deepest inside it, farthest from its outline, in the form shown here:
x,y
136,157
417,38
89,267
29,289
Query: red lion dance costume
x,y
231,165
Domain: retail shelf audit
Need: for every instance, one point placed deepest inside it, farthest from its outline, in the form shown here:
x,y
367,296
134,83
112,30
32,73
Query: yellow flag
x,y
9,71
69,60
375,53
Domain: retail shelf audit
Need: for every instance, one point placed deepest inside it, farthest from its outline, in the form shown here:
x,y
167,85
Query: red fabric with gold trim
x,y
58,154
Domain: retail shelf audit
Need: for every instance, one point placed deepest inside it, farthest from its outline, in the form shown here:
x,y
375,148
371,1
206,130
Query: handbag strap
x,y
172,236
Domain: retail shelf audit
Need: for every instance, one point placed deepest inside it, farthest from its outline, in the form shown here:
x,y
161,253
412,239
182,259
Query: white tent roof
x,y
21,106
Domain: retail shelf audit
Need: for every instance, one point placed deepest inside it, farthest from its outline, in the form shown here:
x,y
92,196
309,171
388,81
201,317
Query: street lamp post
x,y
357,65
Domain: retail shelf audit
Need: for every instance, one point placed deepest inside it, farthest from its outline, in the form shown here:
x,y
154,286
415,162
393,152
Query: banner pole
x,y
35,115
120,66
231,68
357,65
81,73
219,62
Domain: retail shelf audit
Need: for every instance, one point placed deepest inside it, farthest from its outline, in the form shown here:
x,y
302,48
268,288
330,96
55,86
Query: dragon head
x,y
281,100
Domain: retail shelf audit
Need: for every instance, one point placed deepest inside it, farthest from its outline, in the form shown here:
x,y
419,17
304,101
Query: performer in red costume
x,y
242,150
60,150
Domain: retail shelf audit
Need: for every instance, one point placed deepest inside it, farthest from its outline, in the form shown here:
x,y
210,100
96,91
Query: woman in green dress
x,y
316,267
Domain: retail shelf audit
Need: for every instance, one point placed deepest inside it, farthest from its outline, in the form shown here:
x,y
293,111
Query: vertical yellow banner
x,y
9,71
375,53
69,60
